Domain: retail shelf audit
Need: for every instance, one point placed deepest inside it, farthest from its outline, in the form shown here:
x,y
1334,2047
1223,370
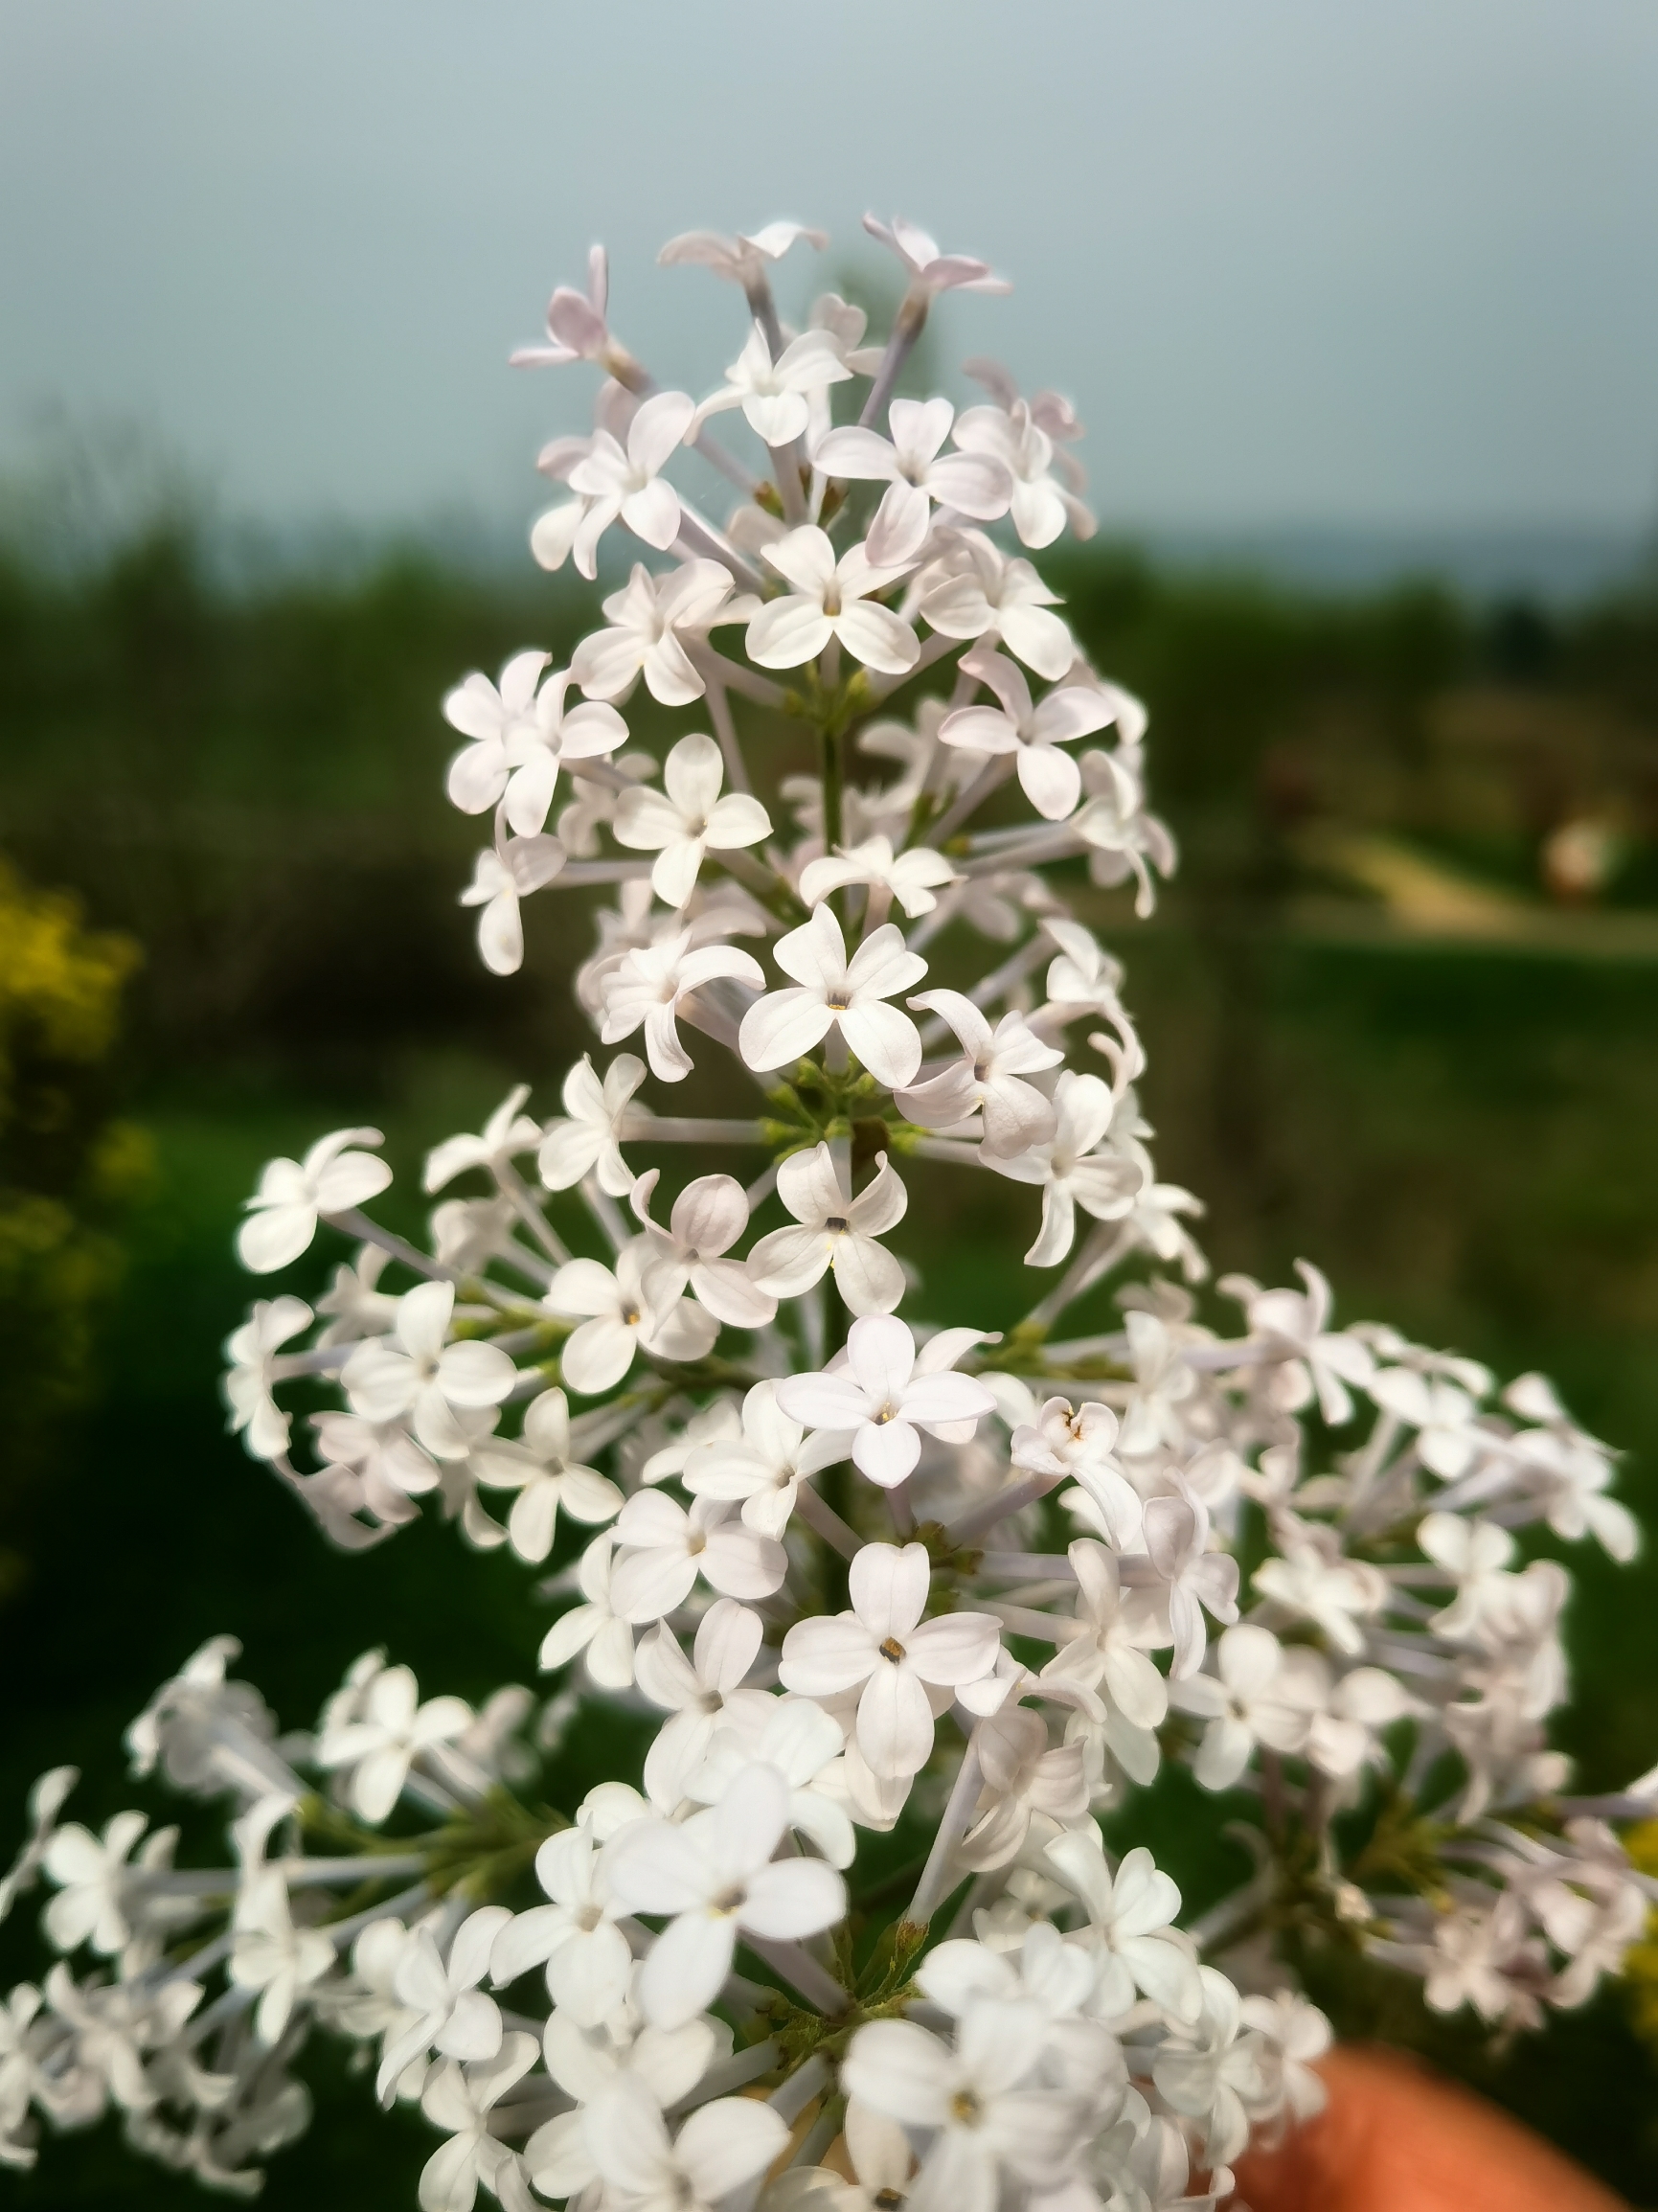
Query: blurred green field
x,y
1460,1134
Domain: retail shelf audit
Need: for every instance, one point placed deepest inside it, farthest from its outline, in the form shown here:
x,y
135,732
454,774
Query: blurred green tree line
x,y
249,778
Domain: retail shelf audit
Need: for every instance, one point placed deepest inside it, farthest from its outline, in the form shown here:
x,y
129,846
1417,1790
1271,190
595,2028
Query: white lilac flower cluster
x,y
906,1608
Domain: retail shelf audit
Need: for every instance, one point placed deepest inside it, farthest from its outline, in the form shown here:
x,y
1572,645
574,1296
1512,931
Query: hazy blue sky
x,y
1383,262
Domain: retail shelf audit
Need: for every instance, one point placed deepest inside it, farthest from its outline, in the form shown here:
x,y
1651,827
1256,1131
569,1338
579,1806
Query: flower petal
x,y
894,1722
782,1026
793,1897
788,631
876,636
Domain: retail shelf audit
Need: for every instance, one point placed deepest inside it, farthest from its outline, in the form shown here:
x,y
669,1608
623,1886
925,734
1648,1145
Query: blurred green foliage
x,y
249,781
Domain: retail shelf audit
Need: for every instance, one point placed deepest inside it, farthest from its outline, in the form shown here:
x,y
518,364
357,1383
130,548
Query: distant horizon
x,y
79,490
79,502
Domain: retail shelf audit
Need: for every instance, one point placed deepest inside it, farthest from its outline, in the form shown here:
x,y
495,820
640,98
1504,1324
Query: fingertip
x,y
1396,2137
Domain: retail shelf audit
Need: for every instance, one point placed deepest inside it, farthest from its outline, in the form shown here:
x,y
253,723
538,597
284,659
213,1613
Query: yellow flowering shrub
x,y
1642,1964
67,1172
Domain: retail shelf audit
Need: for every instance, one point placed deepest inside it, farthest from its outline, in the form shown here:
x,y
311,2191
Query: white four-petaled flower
x,y
834,992
1034,731
774,395
701,1693
1130,1927
646,989
834,1231
687,818
382,1739
269,1954
918,473
292,1195
763,1466
805,1743
1195,1579
1040,509
662,1549
1317,1358
714,1878
94,1877
988,1079
1245,1705
723,2146
649,621
910,876
973,590
708,1216
574,1936
254,1351
594,1626
624,1311
586,1139
501,875
929,268
461,2099
904,1669
506,1134
981,2107
489,716
833,597
887,1393
624,482
417,1371
555,737
541,1467
1071,1168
